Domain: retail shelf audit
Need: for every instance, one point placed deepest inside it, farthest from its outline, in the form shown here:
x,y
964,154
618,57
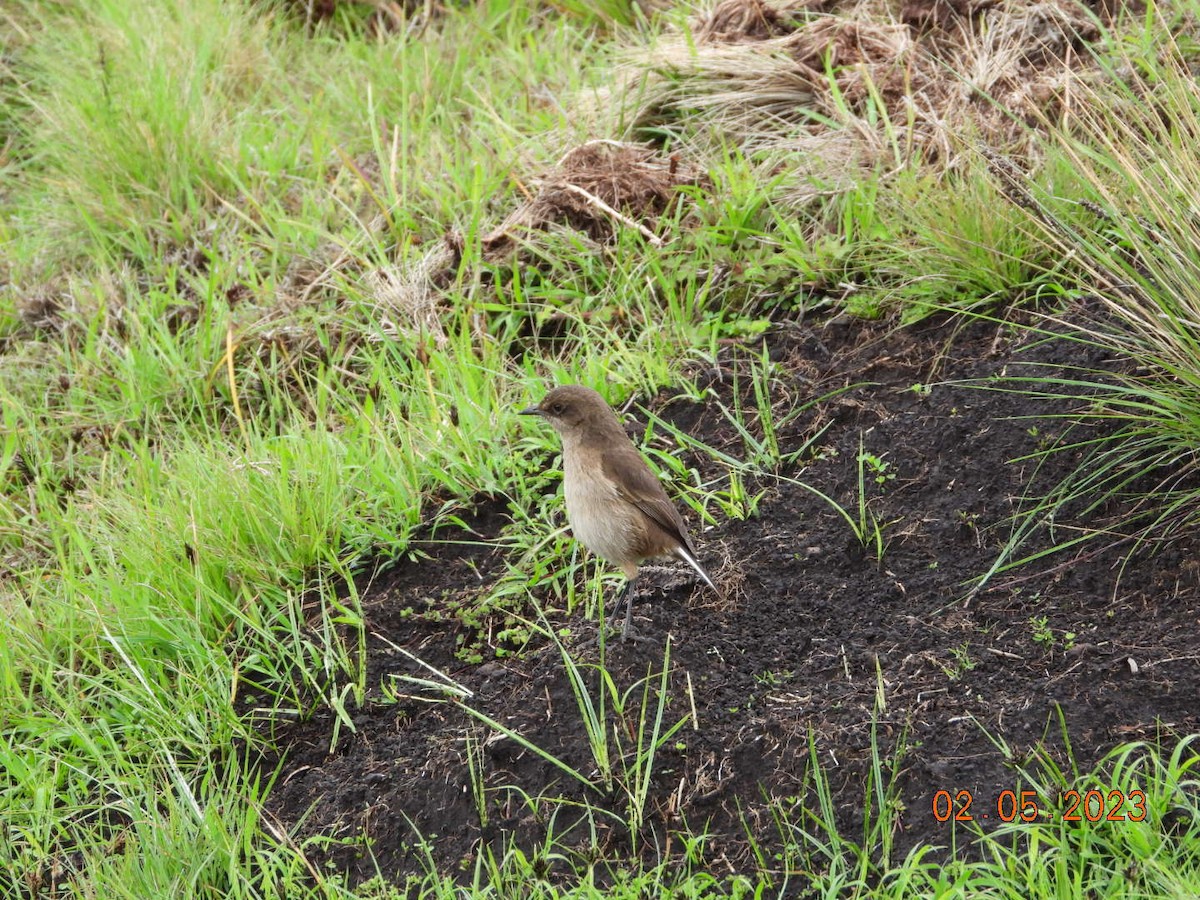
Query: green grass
x,y
1115,201
223,388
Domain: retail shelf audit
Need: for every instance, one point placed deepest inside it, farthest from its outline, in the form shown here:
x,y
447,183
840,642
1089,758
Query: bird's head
x,y
570,407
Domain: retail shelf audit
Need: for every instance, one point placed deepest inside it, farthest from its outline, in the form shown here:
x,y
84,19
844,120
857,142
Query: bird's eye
x,y
556,409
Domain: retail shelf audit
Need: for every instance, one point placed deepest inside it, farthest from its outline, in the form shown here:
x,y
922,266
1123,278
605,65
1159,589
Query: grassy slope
x,y
211,404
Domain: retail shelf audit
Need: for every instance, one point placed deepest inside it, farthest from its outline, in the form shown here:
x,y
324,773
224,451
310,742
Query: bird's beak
x,y
530,411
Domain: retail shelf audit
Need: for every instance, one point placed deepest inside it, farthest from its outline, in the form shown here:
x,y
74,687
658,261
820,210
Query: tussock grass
x,y
1129,227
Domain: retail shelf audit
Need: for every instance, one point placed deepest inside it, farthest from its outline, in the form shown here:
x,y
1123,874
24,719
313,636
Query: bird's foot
x,y
628,633
611,631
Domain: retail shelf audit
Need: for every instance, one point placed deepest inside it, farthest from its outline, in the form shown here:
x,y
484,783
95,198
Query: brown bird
x,y
616,506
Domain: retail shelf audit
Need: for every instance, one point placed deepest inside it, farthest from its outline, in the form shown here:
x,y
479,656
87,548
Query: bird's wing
x,y
635,482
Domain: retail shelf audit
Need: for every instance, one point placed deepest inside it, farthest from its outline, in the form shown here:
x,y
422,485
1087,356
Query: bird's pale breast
x,y
605,523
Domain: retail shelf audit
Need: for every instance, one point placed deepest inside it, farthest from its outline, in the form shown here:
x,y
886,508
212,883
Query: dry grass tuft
x,y
406,297
598,188
920,87
744,20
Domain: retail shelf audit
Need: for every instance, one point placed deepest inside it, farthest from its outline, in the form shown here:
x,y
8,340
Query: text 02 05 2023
x,y
1026,806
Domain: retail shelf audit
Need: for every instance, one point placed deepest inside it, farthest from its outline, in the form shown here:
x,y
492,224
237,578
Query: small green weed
x,y
880,470
960,662
1040,631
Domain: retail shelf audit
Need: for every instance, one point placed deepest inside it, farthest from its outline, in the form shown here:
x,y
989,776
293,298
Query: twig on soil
x,y
596,201
692,701
1004,653
1170,659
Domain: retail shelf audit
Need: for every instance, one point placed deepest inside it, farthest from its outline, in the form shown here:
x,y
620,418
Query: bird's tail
x,y
691,561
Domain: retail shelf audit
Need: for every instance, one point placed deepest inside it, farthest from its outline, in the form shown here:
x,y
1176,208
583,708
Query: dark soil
x,y
813,631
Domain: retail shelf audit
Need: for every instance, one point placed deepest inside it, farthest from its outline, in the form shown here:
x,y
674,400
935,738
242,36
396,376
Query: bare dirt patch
x,y
798,650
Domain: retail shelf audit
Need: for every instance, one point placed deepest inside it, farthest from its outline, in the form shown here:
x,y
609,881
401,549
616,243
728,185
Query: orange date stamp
x,y
1026,806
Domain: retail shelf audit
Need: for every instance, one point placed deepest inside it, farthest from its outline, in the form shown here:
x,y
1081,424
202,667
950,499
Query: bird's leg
x,y
623,600
628,632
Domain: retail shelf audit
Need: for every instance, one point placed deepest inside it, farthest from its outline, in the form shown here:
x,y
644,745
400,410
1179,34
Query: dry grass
x,y
597,188
920,86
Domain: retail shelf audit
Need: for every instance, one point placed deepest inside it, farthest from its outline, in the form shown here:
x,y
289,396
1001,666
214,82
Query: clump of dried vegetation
x,y
774,76
598,187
